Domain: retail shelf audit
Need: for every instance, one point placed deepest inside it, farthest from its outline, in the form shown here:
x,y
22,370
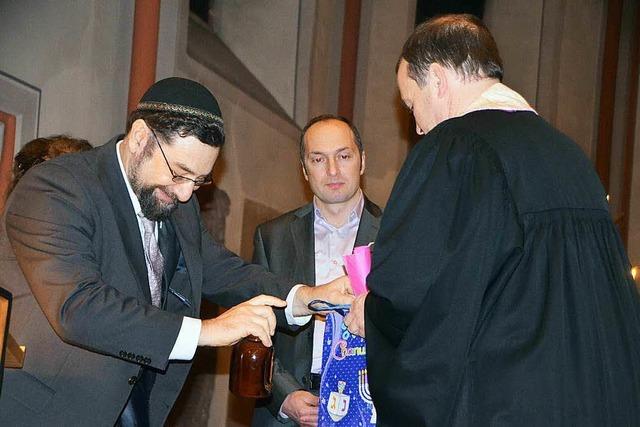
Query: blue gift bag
x,y
344,390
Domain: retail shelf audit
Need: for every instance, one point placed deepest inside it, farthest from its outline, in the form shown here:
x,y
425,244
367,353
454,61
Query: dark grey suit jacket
x,y
285,246
84,310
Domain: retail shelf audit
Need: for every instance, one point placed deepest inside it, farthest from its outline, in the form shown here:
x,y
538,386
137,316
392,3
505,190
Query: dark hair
x,y
461,42
326,117
41,149
169,124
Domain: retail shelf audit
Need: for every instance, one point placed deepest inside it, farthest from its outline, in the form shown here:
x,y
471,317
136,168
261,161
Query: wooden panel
x,y
6,158
630,125
608,90
144,50
349,60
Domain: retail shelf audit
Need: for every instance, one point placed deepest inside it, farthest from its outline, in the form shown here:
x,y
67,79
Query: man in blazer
x,y
109,309
306,245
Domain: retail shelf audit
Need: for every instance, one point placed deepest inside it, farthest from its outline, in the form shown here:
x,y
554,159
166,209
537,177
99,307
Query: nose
x,y
184,191
332,167
419,131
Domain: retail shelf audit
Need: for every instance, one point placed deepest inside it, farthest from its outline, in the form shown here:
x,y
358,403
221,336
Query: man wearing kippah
x,y
116,261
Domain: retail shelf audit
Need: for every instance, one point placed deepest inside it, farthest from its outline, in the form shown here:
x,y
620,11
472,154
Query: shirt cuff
x,y
282,414
187,341
288,311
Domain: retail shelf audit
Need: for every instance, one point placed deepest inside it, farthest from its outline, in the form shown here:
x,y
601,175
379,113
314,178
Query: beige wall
x,y
516,25
263,35
326,48
551,53
78,54
385,126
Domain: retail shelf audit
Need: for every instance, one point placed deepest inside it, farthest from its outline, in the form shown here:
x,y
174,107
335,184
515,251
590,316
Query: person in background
x,y
46,148
307,245
500,292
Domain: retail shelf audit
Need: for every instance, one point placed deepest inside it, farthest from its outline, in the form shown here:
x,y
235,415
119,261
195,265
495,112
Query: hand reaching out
x,y
337,291
252,317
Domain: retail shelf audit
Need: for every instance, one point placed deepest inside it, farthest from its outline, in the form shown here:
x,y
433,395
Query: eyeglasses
x,y
180,179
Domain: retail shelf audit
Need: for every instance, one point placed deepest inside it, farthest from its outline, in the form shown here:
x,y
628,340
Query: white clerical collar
x,y
499,97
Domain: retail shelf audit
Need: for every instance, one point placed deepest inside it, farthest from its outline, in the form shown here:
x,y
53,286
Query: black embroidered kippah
x,y
179,95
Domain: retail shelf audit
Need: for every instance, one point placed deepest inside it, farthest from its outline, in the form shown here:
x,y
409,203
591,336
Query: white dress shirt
x,y
331,243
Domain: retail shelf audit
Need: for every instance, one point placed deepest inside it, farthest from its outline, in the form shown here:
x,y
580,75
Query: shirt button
x,y
132,380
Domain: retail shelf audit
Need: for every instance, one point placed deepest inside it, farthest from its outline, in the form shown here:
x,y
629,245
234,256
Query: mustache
x,y
172,195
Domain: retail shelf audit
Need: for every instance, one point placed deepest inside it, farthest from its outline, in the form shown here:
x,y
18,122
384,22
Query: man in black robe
x,y
500,293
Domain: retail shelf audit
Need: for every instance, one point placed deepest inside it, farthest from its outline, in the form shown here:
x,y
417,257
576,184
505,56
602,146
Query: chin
x,y
335,199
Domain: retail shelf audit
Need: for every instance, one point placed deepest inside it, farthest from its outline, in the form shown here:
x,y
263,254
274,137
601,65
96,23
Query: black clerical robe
x,y
500,291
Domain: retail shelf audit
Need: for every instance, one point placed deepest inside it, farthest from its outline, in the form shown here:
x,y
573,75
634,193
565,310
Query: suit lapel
x,y
301,229
369,224
116,189
187,228
170,251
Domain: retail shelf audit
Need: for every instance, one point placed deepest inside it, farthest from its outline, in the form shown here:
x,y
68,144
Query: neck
x,y
337,214
467,93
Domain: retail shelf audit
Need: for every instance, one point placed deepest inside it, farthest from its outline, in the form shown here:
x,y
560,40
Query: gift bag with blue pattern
x,y
344,390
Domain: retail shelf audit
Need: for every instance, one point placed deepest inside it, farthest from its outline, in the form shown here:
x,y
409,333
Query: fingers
x,y
261,311
239,321
309,420
302,407
337,291
258,330
266,300
311,399
354,320
348,322
261,322
261,306
344,283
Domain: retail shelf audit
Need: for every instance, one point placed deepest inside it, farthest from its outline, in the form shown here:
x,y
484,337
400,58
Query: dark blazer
x,y
84,310
285,246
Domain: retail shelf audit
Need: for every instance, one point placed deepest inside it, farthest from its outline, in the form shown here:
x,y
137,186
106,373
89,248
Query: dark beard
x,y
151,207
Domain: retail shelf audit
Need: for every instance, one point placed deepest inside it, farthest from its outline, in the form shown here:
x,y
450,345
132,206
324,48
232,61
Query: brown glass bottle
x,y
251,368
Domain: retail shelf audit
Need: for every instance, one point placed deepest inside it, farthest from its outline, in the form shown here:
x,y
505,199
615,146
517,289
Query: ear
x,y
138,137
439,77
304,171
363,157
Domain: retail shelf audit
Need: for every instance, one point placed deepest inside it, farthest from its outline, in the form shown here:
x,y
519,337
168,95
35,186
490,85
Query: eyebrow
x,y
334,152
187,169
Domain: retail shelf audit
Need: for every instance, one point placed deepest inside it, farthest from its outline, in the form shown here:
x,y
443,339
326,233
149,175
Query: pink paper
x,y
358,266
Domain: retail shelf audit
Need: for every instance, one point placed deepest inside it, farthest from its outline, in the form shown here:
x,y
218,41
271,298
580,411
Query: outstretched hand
x,y
252,317
337,291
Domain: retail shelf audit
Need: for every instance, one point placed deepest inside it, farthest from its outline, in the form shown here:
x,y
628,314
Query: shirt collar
x,y
134,199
